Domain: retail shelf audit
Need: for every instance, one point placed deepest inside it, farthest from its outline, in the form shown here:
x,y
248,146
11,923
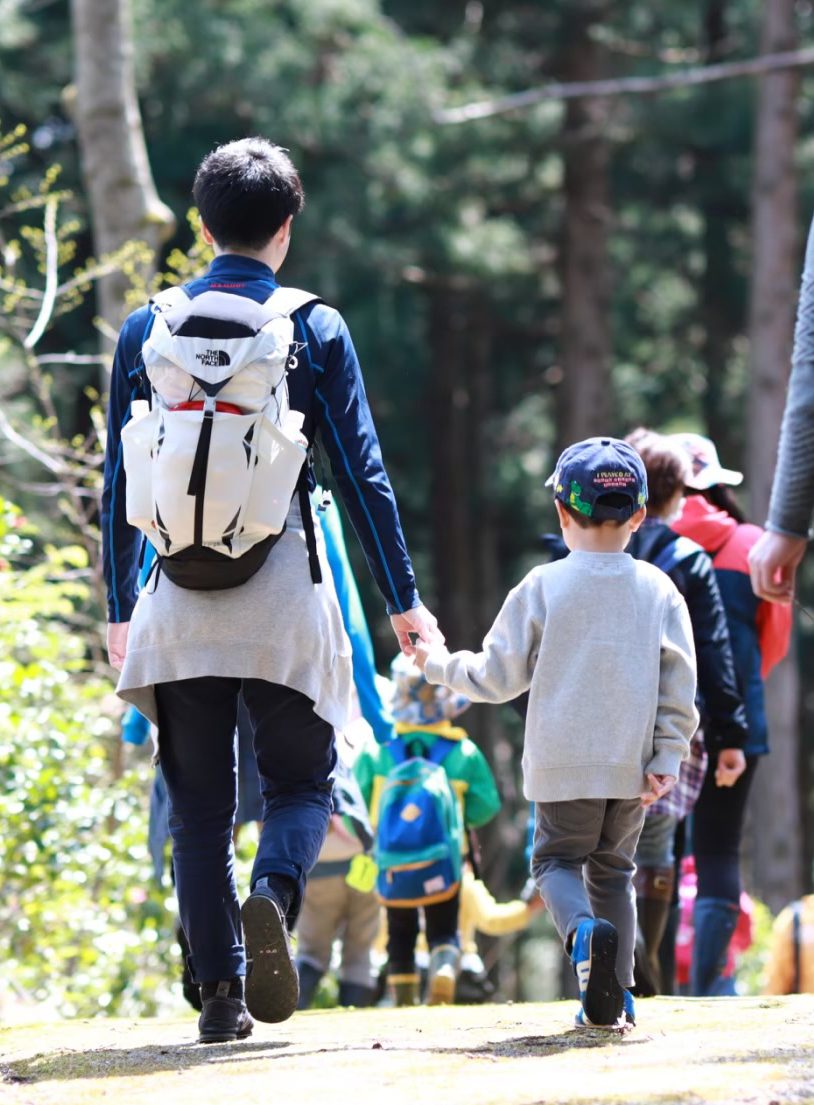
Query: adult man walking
x,y
185,655
775,558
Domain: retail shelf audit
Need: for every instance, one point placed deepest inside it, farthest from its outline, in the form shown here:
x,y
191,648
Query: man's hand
x,y
773,563
659,786
419,621
117,643
731,765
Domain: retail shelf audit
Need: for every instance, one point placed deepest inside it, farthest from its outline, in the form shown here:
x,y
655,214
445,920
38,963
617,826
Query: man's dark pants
x,y
295,759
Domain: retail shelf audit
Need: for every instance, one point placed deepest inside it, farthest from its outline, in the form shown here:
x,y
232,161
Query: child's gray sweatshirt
x,y
604,644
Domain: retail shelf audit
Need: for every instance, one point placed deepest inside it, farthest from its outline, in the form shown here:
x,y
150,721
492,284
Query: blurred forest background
x,y
515,277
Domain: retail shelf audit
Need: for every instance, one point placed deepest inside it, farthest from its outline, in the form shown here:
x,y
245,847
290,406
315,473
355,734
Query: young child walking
x,y
604,646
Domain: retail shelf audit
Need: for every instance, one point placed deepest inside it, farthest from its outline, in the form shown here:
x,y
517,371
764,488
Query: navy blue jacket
x,y
723,717
327,386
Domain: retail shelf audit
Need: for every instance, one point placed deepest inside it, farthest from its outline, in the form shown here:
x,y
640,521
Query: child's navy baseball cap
x,y
603,478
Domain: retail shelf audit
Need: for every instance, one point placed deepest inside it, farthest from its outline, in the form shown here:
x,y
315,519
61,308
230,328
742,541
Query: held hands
x,y
731,765
773,563
423,653
117,643
659,786
417,621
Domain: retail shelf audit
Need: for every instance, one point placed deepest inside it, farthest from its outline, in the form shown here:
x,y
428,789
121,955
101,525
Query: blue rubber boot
x,y
714,921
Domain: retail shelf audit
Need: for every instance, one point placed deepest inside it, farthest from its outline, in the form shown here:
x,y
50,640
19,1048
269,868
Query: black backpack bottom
x,y
204,569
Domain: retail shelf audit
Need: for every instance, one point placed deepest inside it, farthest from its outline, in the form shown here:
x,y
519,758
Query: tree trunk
x,y
124,204
719,299
452,483
774,838
465,529
584,399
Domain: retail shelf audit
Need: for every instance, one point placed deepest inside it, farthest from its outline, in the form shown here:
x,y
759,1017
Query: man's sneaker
x,y
272,985
593,955
224,1015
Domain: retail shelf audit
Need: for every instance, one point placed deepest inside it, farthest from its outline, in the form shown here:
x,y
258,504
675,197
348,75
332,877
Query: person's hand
x,y
117,643
337,825
731,765
421,655
773,563
424,652
659,786
420,621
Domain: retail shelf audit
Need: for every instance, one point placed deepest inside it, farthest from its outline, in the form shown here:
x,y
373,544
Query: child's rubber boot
x,y
356,995
714,921
404,989
445,961
310,978
654,897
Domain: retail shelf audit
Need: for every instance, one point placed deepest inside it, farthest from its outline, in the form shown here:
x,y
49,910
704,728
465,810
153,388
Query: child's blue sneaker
x,y
593,955
581,1021
630,1009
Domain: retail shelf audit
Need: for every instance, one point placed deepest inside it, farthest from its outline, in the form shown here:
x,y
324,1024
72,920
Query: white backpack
x,y
213,466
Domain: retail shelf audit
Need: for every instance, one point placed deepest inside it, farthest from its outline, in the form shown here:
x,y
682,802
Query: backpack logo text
x,y
213,358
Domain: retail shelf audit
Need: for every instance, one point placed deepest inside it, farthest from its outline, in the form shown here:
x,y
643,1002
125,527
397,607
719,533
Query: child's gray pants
x,y
583,866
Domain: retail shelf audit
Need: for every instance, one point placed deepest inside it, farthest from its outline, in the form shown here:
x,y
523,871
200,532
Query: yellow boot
x,y
445,960
404,989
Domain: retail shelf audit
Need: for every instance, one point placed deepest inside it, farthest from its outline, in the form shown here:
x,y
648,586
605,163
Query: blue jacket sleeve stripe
x,y
114,590
396,603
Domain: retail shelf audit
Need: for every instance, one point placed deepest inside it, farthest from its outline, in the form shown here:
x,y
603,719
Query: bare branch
x,y
51,270
72,358
20,290
8,431
105,268
624,86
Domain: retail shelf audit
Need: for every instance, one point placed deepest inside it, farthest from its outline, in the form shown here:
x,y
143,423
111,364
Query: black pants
x,y
441,925
295,760
717,824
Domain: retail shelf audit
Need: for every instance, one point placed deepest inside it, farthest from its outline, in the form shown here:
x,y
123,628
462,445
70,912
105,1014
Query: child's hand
x,y
659,786
731,765
424,651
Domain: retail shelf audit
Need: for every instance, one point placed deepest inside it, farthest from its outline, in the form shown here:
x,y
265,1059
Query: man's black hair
x,y
245,191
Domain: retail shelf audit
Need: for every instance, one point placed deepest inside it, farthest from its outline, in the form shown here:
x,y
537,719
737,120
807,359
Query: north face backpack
x,y
212,468
419,833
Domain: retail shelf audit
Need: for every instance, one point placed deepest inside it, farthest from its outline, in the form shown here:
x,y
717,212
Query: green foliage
x,y
414,231
83,926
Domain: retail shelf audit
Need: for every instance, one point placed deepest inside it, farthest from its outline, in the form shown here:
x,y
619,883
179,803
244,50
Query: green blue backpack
x,y
419,834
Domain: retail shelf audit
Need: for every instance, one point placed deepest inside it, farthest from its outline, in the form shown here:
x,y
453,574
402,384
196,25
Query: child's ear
x,y
637,518
562,514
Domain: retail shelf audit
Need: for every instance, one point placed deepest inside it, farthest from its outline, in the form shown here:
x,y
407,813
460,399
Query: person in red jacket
x,y
759,633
